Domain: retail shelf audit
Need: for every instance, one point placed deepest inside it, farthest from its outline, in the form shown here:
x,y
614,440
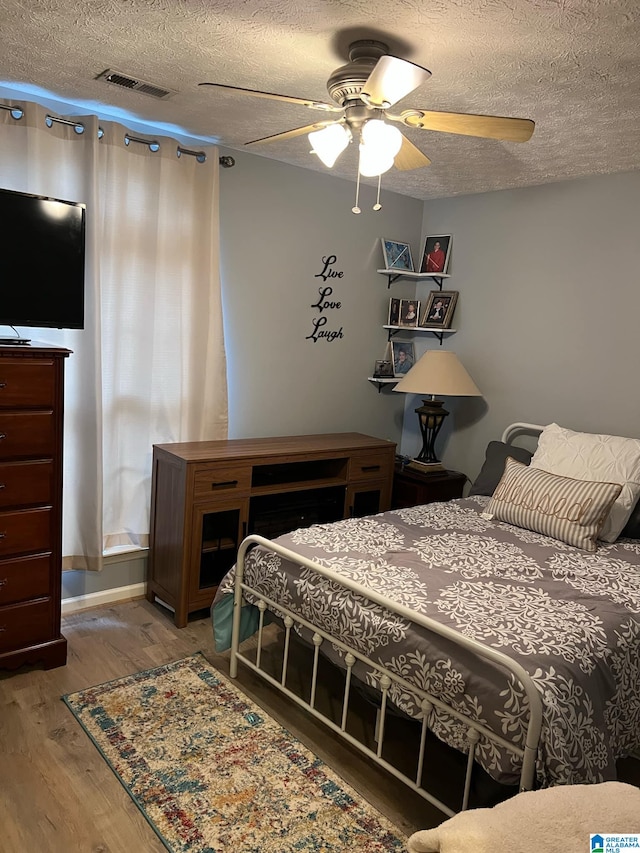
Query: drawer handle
x,y
3,534
223,484
2,435
370,468
3,384
3,486
4,581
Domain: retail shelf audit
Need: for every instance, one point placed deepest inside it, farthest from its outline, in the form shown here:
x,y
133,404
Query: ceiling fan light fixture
x,y
329,142
380,144
373,163
382,136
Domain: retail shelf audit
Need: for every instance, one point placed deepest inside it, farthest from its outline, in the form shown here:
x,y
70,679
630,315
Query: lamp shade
x,y
438,372
372,163
329,142
380,144
382,137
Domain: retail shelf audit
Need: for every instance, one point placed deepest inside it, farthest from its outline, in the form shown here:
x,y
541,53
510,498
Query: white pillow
x,y
589,456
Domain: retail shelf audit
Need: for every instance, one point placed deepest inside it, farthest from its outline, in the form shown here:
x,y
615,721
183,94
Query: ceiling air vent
x,y
125,81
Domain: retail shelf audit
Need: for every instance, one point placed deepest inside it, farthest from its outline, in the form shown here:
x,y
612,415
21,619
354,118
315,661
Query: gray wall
x,y
548,310
547,316
277,224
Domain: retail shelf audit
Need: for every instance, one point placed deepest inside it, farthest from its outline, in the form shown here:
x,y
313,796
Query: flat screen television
x,y
42,267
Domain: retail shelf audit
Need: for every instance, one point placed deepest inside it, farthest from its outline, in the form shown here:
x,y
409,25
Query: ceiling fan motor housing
x,y
346,82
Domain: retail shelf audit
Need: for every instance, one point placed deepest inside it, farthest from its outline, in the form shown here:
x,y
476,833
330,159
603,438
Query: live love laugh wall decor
x,y
326,303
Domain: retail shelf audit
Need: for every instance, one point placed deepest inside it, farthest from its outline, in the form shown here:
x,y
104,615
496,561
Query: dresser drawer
x,y
26,384
25,483
25,531
370,466
27,434
25,624
24,578
211,480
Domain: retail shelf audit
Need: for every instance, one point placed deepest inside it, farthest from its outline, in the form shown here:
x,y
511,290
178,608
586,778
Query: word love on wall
x,y
327,303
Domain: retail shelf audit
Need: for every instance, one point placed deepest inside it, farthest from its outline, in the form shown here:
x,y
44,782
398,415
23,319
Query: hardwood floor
x,y
57,795
56,792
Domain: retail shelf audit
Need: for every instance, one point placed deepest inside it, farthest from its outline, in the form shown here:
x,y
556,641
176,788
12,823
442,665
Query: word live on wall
x,y
326,303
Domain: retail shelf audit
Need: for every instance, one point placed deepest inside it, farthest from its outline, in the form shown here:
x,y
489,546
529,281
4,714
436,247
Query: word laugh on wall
x,y
326,303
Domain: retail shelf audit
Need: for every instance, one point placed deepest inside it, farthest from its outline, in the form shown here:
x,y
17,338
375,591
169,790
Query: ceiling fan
x,y
363,91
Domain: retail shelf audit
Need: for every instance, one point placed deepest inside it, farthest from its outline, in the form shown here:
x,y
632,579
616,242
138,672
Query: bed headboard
x,y
514,430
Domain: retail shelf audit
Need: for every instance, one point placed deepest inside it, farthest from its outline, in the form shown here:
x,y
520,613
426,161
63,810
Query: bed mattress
x,y
571,618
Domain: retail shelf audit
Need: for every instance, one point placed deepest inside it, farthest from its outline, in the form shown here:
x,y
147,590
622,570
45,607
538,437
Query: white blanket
x,y
560,818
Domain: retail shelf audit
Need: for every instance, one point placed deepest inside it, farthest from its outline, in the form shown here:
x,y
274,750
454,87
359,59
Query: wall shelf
x,y
381,381
394,275
438,332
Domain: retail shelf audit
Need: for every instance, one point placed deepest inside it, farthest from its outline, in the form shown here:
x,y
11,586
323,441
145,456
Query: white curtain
x,y
149,366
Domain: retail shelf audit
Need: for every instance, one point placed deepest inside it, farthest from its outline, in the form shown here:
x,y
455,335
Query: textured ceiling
x,y
570,65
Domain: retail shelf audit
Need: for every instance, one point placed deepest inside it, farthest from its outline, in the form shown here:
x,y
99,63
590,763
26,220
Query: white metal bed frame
x,y
426,701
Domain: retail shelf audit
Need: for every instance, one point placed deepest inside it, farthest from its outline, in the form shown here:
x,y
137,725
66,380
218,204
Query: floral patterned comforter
x,y
571,618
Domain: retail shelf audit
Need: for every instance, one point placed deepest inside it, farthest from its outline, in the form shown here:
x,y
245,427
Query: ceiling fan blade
x,y
291,134
410,157
392,79
488,127
305,102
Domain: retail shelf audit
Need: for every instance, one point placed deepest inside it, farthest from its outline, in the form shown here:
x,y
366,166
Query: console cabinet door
x,y
367,498
217,531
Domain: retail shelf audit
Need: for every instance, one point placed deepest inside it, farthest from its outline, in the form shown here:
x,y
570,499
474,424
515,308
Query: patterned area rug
x,y
211,771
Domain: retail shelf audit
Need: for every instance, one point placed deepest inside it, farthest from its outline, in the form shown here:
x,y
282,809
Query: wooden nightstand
x,y
411,488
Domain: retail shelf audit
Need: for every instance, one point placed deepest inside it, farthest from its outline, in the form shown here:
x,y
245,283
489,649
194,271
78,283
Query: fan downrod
x,y
367,49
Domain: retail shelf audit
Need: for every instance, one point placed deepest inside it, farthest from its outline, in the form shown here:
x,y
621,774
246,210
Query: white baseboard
x,y
105,596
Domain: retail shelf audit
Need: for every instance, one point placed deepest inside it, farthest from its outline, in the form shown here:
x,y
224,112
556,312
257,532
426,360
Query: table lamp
x,y
436,372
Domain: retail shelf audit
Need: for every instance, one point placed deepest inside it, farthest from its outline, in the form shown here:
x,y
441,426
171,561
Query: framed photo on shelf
x,y
403,356
394,312
409,313
435,256
397,256
439,309
383,369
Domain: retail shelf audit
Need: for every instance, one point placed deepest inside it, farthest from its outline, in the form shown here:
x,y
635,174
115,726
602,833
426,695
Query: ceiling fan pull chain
x,y
377,205
355,208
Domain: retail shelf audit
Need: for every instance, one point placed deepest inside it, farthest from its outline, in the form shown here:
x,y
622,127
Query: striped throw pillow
x,y
572,511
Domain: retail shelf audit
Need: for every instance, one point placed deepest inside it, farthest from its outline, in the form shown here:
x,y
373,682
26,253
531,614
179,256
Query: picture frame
x,y
436,253
394,312
397,255
409,313
439,309
403,357
383,369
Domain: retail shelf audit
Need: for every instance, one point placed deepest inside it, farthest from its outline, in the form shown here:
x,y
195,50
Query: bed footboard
x,y
427,702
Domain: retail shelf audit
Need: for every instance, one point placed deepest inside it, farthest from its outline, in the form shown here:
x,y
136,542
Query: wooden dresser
x,y
31,420
206,496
